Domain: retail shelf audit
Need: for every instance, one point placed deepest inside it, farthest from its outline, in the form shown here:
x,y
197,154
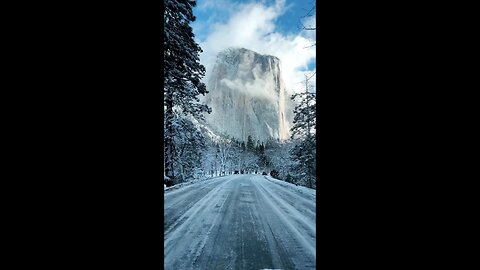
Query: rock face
x,y
248,97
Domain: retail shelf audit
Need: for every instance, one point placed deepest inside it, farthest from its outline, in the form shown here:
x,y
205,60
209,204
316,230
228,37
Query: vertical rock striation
x,y
248,97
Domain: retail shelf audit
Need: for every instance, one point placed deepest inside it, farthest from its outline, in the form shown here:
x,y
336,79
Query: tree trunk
x,y
168,141
182,172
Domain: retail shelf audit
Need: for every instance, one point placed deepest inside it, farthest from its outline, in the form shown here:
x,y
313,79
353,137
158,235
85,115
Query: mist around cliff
x,y
252,82
251,117
254,26
259,87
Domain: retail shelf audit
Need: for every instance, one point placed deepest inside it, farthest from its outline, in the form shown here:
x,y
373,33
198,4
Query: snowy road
x,y
239,222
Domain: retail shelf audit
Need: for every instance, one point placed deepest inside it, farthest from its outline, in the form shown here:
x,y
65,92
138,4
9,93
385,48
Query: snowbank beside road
x,y
299,189
177,186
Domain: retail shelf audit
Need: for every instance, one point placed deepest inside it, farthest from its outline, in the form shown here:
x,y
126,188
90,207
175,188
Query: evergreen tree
x,y
182,75
263,160
303,133
269,144
250,146
188,142
261,148
209,157
279,158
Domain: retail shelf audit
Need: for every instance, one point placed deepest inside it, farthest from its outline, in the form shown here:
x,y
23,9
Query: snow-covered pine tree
x,y
189,143
225,149
263,161
250,145
278,158
233,159
182,74
209,157
303,133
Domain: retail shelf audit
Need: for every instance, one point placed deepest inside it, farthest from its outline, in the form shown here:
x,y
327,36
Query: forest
x,y
191,152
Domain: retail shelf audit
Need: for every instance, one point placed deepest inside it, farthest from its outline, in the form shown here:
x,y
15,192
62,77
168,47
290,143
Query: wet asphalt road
x,y
239,222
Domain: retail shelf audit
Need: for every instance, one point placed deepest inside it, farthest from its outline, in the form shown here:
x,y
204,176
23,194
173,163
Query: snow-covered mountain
x,y
248,97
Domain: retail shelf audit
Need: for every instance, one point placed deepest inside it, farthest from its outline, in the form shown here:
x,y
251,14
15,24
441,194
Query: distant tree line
x,y
188,152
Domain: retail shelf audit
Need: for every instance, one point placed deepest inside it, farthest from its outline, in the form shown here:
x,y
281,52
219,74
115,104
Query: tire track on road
x,y
299,239
308,222
195,208
244,222
194,228
307,204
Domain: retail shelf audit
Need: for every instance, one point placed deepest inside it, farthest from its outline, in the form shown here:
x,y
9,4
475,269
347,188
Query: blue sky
x,y
288,22
266,26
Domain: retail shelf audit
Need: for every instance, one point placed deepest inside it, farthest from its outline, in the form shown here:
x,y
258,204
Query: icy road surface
x,y
239,222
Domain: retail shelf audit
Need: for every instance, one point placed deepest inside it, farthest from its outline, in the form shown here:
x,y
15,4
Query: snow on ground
x,y
177,186
239,222
290,185
299,189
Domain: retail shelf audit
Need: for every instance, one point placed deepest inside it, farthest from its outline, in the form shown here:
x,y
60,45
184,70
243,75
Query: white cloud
x,y
259,87
253,26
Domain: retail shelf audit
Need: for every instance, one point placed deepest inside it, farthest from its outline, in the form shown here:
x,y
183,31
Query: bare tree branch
x,y
313,45
309,13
